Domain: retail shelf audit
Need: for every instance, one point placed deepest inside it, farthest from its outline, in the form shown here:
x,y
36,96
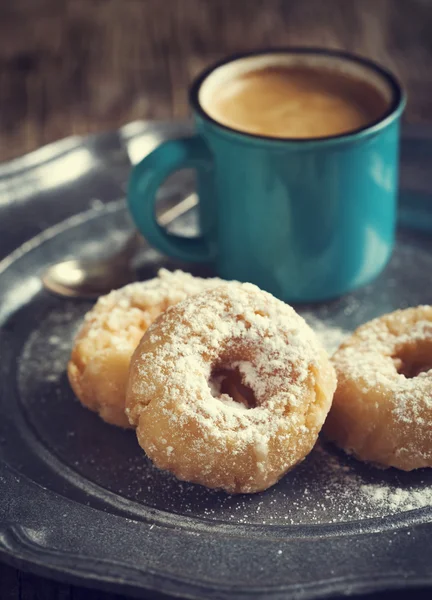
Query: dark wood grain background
x,y
76,66
79,66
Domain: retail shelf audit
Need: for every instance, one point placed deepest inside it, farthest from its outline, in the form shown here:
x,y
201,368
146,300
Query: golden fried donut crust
x,y
188,426
382,409
99,364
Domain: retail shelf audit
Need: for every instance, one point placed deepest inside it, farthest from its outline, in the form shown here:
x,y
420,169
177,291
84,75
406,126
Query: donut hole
x,y
228,382
413,358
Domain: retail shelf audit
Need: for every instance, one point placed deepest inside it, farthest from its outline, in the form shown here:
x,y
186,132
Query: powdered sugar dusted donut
x,y
235,339
382,409
99,364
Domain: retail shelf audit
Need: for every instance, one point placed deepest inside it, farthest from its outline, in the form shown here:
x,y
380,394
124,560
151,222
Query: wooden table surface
x,y
75,66
16,585
79,66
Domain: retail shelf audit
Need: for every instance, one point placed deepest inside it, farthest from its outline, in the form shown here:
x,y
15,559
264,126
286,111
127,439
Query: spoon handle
x,y
135,241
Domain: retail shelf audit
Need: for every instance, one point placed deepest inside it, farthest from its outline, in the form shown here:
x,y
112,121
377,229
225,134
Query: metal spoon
x,y
78,278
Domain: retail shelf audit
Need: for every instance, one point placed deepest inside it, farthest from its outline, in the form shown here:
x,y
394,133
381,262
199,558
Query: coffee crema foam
x,y
296,102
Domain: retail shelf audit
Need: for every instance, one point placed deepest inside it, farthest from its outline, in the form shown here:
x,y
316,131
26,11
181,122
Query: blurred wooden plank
x,y
75,66
17,585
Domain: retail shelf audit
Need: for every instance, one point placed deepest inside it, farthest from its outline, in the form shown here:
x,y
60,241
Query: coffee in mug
x,y
296,155
295,102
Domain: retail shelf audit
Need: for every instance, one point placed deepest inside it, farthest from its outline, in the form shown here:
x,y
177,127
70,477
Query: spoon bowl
x,y
80,278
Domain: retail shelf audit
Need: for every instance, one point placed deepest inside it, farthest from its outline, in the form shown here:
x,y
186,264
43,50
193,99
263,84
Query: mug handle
x,y
147,177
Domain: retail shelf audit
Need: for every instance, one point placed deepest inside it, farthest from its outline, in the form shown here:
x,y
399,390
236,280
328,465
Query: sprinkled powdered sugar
x,y
394,500
206,333
329,335
99,364
384,372
124,313
278,358
374,361
328,487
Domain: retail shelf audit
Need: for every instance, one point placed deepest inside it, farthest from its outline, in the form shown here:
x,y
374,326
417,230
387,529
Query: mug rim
x,y
395,108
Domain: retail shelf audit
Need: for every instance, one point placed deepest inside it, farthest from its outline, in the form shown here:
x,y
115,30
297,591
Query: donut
x,y
99,364
229,389
382,409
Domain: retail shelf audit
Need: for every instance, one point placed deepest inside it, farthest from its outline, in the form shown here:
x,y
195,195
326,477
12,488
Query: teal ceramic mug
x,y
305,219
